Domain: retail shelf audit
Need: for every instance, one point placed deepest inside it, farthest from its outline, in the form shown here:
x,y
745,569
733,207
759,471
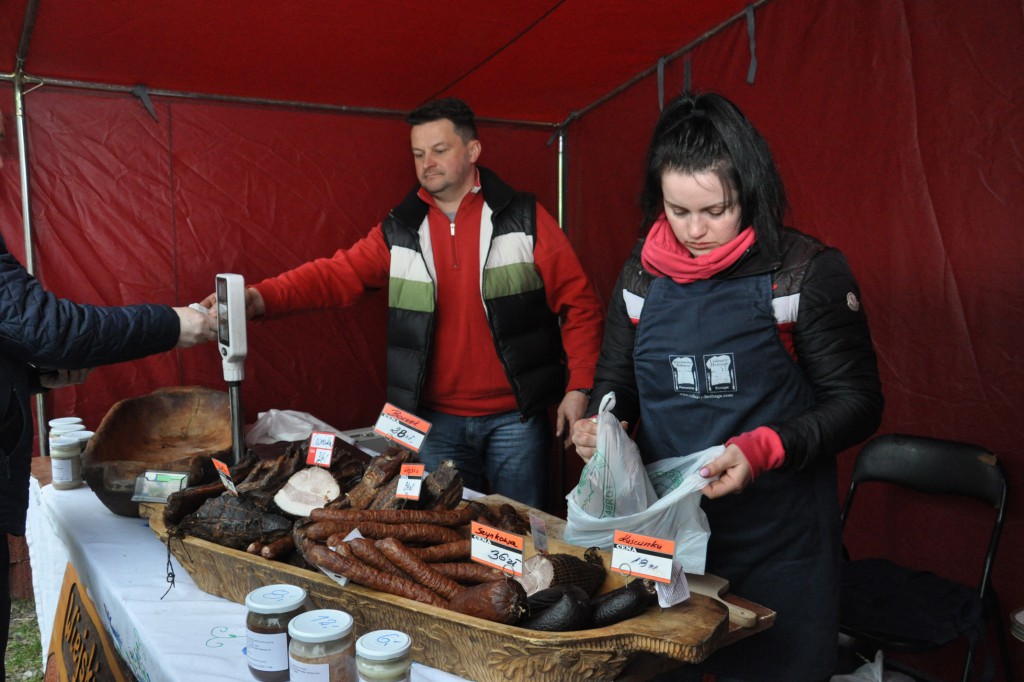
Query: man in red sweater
x,y
491,318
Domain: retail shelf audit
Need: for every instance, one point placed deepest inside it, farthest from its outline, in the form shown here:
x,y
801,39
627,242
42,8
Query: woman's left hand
x,y
733,469
64,377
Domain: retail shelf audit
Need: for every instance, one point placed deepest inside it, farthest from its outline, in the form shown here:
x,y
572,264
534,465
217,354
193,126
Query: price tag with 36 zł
x,y
640,556
404,428
496,548
409,482
321,447
225,475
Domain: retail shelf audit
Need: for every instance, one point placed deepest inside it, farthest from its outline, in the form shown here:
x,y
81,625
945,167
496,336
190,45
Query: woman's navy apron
x,y
710,365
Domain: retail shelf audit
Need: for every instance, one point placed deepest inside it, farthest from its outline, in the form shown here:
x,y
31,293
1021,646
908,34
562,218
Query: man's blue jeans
x,y
496,453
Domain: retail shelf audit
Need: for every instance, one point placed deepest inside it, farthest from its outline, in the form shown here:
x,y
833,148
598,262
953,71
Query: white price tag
x,y
321,447
402,427
410,481
496,548
675,592
539,533
640,556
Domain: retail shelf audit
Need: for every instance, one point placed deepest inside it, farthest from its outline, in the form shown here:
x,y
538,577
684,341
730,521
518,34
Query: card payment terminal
x,y
231,341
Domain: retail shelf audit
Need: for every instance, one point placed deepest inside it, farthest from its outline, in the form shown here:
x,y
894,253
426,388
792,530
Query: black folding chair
x,y
887,607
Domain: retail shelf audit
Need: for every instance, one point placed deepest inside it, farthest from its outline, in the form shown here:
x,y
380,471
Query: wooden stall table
x,y
186,633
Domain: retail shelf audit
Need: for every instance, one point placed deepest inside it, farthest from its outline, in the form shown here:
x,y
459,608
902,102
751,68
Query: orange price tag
x,y
225,475
402,427
641,556
409,482
496,548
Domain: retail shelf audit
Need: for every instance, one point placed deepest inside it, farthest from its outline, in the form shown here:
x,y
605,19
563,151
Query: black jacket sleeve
x,y
40,328
615,371
833,347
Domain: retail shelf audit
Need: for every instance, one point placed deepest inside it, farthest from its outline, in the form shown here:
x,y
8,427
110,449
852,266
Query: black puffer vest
x,y
525,331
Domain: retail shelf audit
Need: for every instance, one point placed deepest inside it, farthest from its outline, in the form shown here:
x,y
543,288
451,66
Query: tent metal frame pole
x,y
18,80
258,101
669,58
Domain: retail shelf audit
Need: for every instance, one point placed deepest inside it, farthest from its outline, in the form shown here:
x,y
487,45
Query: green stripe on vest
x,y
409,295
508,280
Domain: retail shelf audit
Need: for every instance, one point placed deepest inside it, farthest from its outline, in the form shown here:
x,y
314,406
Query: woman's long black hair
x,y
708,133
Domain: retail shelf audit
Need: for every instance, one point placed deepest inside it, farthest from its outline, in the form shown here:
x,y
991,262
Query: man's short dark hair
x,y
451,108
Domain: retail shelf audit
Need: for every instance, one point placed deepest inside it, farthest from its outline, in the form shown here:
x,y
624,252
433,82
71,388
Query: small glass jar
x,y
271,609
322,648
384,656
65,463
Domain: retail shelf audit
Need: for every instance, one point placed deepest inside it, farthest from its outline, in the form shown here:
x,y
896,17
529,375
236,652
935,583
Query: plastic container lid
x,y
320,625
61,429
383,645
64,444
275,599
79,435
63,421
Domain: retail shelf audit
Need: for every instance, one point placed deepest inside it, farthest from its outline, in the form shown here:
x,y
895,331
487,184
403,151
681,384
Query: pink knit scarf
x,y
665,256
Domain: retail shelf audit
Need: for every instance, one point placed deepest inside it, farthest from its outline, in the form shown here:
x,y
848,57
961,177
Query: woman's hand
x,y
733,469
571,409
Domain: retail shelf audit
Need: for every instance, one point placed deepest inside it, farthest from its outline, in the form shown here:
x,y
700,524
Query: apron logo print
x,y
684,374
717,369
720,369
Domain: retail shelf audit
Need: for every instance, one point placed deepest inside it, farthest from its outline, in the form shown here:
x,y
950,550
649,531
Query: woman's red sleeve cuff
x,y
763,449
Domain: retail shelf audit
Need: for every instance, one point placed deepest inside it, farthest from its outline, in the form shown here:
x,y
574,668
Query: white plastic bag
x,y
873,671
674,513
288,425
613,483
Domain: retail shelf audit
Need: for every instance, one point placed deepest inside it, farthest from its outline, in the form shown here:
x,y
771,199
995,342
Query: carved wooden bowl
x,y
164,431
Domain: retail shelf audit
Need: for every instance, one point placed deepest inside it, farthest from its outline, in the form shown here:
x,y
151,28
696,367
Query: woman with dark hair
x,y
725,327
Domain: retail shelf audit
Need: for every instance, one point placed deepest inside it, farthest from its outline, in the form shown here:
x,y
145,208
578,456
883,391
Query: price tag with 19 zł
x,y
225,475
496,548
401,427
409,482
321,447
640,556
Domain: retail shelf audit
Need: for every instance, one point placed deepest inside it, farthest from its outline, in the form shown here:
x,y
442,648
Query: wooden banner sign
x,y
80,646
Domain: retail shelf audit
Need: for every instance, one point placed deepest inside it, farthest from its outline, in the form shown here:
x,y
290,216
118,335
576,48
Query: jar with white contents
x,y
321,649
384,656
65,463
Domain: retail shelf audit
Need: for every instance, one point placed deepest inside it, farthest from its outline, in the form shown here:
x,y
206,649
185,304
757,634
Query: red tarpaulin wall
x,y
897,127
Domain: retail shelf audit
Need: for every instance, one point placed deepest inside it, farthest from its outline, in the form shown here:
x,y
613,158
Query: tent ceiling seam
x,y
514,39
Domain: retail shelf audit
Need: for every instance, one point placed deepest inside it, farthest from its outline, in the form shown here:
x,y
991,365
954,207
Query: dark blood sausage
x,y
440,517
366,551
449,551
468,572
358,572
418,570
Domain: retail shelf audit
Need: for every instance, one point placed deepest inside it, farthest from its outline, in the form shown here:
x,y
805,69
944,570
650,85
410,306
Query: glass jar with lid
x,y
65,463
271,609
321,648
384,656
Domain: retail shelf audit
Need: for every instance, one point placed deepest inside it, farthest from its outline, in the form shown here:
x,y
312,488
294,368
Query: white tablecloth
x,y
187,635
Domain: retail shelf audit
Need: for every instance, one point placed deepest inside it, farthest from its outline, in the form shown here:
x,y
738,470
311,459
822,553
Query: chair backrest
x,y
933,465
